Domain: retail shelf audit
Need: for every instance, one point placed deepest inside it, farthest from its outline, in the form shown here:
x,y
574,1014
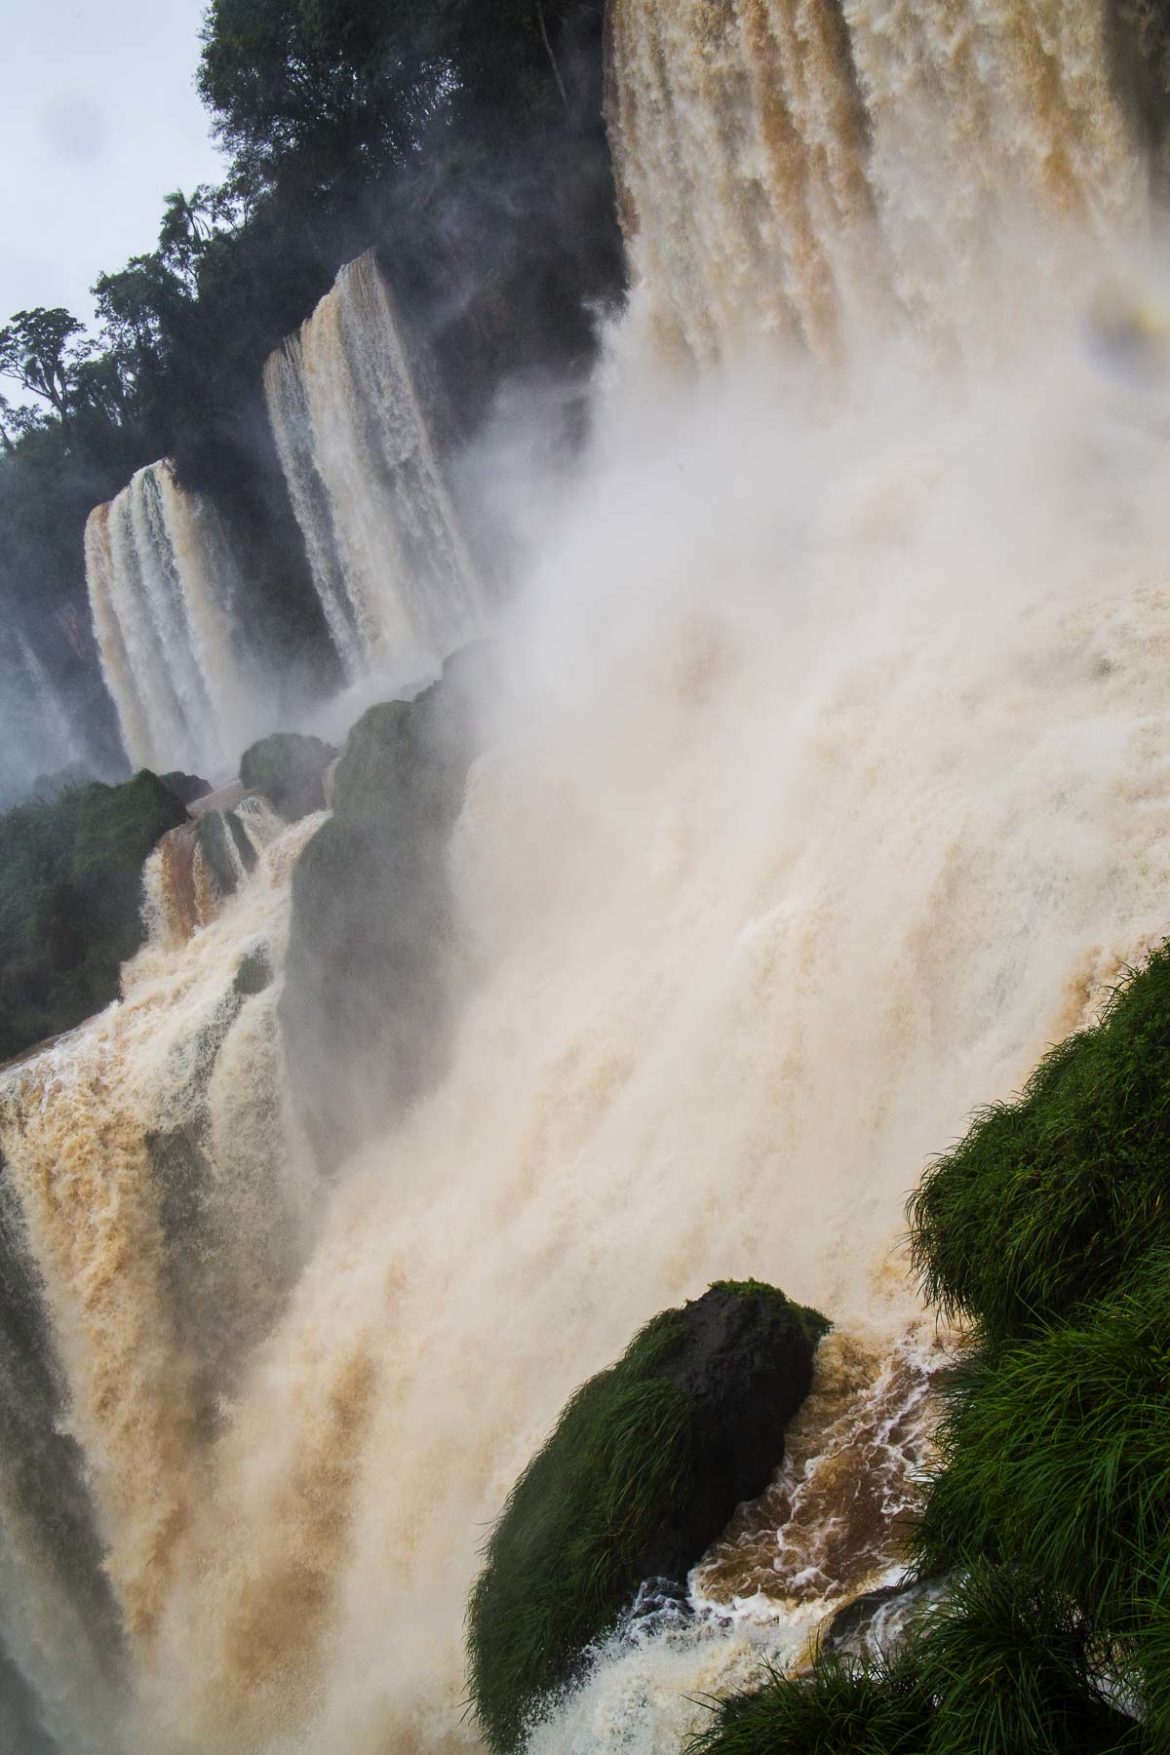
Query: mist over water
x,y
826,783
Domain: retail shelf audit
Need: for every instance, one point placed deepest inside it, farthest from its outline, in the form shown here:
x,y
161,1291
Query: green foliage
x,y
837,1710
591,1515
1049,1200
1009,1666
70,895
288,770
1004,1668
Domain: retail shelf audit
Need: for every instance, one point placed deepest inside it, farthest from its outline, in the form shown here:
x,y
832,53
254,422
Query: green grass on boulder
x,y
646,1465
838,1710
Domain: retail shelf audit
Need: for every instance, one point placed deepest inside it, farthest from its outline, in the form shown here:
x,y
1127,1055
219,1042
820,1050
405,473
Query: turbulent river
x,y
826,782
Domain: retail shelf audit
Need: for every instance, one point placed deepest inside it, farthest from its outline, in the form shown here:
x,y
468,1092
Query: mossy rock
x,y
645,1467
288,769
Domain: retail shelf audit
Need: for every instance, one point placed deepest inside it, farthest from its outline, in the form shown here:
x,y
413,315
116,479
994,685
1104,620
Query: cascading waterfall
x,y
820,168
165,593
827,785
396,586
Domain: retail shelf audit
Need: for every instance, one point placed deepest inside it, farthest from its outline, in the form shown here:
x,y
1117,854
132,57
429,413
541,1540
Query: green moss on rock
x,y
645,1467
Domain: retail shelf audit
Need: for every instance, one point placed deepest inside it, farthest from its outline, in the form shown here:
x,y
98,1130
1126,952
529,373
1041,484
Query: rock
x,y
645,1468
288,769
372,956
253,975
874,1624
186,787
224,844
660,1603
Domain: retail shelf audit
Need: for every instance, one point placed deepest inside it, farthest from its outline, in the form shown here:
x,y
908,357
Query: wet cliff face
x,y
374,965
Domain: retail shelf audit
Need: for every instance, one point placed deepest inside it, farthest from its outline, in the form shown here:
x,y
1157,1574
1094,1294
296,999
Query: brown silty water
x,y
826,785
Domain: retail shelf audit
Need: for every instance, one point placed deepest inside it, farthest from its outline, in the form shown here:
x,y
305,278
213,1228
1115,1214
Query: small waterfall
x,y
166,596
396,585
812,167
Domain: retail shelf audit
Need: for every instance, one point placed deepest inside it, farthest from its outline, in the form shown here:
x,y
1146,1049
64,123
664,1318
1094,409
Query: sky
x,y
99,120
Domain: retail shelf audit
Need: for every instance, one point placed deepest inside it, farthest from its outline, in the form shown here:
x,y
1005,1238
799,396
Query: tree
x,y
41,350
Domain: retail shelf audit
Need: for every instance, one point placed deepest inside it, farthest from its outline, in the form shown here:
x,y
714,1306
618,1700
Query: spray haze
x,y
824,784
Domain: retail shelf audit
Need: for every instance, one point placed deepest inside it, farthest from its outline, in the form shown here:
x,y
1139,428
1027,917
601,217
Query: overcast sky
x,y
99,119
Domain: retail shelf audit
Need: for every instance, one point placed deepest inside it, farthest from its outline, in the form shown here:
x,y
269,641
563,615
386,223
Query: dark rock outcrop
x,y
224,844
186,787
288,769
645,1468
370,967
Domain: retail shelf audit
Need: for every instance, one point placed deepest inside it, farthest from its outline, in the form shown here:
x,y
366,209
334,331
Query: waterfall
x,y
819,168
826,785
166,593
396,586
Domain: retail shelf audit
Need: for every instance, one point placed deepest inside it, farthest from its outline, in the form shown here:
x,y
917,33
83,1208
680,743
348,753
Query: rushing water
x,y
827,783
166,597
395,583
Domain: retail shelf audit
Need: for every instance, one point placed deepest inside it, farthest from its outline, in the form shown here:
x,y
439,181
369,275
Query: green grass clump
x,y
839,1709
613,1491
1004,1668
1010,1669
1048,1201
1055,1452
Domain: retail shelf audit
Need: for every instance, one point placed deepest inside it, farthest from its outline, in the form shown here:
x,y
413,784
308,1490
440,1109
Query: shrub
x,y
644,1468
